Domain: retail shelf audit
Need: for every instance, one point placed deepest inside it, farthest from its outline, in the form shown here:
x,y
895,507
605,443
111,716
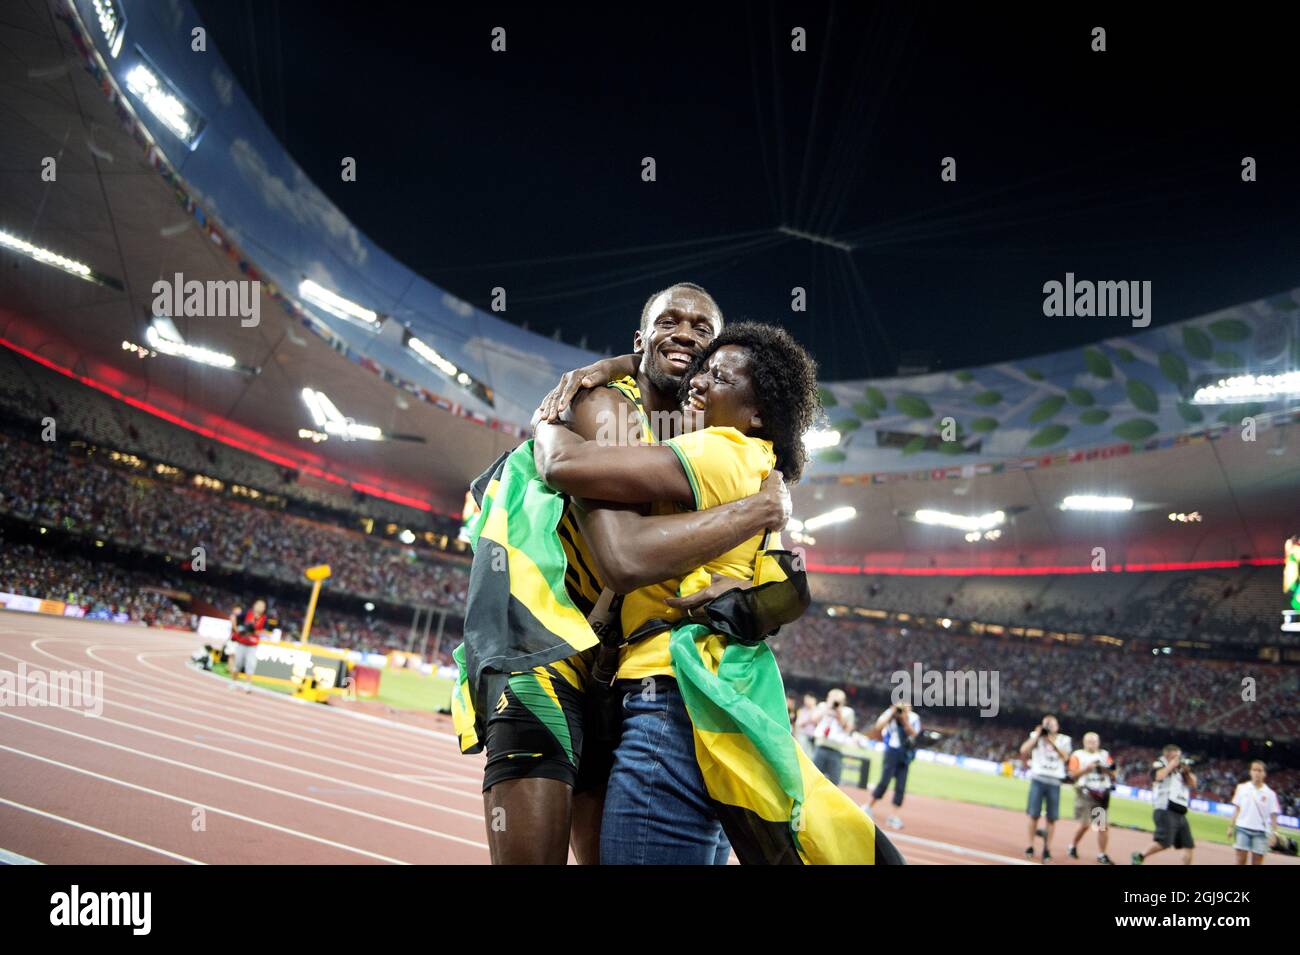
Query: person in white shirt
x,y
1093,773
1047,749
897,728
805,723
1255,816
1172,782
834,730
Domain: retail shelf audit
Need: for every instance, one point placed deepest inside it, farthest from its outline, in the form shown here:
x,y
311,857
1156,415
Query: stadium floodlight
x,y
963,522
46,257
1096,502
819,438
407,536
111,23
166,345
1242,388
794,525
164,101
332,421
431,355
837,516
336,305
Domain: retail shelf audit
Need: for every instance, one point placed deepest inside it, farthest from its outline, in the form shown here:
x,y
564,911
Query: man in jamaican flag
x,y
546,568
705,738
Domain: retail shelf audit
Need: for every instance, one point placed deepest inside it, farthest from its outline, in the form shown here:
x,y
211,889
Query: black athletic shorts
x,y
540,727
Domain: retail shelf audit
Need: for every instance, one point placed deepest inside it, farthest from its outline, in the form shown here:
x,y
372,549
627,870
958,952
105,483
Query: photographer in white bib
x,y
1047,750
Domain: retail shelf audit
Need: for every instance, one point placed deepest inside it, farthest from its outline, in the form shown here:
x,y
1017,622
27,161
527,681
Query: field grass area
x,y
411,690
1007,792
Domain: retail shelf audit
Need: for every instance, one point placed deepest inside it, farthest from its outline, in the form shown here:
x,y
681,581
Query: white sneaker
x,y
894,822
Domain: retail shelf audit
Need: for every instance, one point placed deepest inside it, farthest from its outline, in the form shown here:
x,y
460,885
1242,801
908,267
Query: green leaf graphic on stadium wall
x,y
830,456
827,397
1046,408
1135,429
876,397
989,397
846,424
1174,368
1124,355
912,406
983,425
965,376
1097,363
951,447
1230,330
1228,359
1143,396
1191,414
1081,396
1048,436
1033,374
915,445
1197,343
1094,415
865,410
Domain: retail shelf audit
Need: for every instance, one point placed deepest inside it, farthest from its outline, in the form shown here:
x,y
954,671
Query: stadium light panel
x,y
963,522
818,439
837,516
1242,388
1096,502
162,100
332,421
431,355
45,256
336,305
179,349
111,23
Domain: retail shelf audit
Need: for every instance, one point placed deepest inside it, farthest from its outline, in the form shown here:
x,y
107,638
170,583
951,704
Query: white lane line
x,y
299,751
100,832
196,804
13,858
348,810
956,849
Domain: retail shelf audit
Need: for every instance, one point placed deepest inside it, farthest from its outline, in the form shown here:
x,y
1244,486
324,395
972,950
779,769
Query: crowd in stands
x,y
43,483
1087,681
1240,605
30,392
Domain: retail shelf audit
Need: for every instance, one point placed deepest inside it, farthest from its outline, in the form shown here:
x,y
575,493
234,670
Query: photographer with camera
x,y
1047,750
1172,782
897,728
834,731
1093,772
246,628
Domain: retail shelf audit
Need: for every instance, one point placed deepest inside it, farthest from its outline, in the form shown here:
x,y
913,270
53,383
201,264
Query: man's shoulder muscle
x,y
596,413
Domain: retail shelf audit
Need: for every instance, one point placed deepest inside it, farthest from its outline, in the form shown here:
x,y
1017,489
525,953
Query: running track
x,y
179,768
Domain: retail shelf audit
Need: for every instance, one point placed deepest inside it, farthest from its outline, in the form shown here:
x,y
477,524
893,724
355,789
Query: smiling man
x,y
527,666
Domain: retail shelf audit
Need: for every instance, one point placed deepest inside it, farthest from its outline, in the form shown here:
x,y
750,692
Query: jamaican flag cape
x,y
775,805
520,613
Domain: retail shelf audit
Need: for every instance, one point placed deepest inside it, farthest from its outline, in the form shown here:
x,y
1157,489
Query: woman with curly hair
x,y
747,401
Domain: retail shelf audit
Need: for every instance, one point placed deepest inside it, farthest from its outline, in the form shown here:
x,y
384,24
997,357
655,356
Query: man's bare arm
x,y
632,549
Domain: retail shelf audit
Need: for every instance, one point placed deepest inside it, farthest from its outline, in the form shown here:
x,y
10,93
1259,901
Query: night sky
x,y
481,169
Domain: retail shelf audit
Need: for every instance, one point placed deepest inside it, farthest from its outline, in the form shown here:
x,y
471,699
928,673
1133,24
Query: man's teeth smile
x,y
696,402
678,357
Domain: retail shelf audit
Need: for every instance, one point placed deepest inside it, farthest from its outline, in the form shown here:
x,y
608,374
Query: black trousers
x,y
895,768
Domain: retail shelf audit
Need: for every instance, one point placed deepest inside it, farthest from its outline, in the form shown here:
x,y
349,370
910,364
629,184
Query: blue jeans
x,y
657,811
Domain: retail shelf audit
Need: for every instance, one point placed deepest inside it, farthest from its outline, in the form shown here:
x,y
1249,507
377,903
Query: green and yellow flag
x,y
775,805
519,614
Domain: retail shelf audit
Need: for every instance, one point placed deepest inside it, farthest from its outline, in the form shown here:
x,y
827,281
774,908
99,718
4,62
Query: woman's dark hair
x,y
785,388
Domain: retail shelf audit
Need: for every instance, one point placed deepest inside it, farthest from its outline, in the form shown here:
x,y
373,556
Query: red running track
x,y
179,767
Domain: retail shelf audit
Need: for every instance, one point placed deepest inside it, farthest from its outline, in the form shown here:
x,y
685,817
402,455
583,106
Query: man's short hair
x,y
1170,747
645,309
1259,763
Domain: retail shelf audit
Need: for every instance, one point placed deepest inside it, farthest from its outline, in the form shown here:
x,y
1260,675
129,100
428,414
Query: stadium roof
x,y
137,205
